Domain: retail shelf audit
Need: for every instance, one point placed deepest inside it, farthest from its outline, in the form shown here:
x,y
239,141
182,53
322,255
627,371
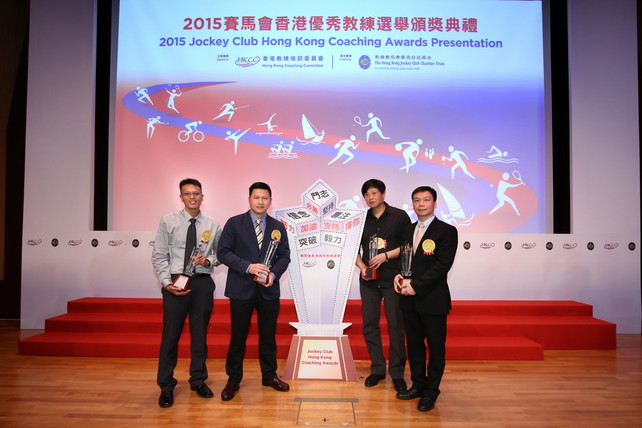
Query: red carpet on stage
x,y
477,330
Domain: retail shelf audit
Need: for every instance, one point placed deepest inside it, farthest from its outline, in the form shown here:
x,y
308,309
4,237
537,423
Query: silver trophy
x,y
373,250
262,278
182,281
406,264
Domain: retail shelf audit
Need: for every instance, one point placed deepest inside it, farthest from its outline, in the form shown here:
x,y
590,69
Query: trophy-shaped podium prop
x,y
324,243
262,278
182,281
373,250
406,265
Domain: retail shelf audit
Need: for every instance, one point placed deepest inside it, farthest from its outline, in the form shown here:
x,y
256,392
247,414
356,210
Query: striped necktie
x,y
259,232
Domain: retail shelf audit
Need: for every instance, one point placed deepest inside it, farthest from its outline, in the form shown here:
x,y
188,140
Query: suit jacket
x,y
430,271
237,249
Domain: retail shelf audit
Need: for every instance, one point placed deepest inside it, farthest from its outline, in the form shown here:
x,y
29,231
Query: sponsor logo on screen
x,y
549,245
331,264
114,243
94,242
135,243
611,246
364,62
74,242
55,242
487,245
570,245
508,245
528,245
247,61
632,246
590,246
309,264
467,245
34,242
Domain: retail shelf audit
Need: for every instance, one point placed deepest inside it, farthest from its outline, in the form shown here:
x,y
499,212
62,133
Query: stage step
x,y
477,330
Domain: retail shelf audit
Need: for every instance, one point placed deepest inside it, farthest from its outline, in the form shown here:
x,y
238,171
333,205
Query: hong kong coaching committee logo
x,y
364,62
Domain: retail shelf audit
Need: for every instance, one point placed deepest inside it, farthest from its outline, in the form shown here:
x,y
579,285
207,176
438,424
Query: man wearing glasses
x,y
179,233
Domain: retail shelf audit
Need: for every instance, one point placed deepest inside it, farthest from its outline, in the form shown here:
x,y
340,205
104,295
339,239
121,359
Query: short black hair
x,y
373,182
260,185
421,189
191,181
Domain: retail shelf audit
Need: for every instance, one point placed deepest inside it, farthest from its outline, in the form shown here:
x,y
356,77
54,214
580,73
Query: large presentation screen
x,y
447,93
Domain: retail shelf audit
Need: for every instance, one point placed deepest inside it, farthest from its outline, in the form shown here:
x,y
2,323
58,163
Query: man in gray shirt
x,y
177,231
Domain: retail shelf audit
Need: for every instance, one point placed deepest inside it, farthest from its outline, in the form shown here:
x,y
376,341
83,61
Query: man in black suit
x,y
425,302
244,242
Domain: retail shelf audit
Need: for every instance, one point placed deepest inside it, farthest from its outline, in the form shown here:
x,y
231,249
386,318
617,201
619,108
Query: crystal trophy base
x,y
182,282
371,273
261,279
406,281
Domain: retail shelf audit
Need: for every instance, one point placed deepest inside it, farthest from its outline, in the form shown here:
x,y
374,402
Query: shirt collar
x,y
187,215
426,223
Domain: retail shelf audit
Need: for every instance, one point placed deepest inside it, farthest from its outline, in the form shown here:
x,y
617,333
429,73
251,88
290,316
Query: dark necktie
x,y
190,240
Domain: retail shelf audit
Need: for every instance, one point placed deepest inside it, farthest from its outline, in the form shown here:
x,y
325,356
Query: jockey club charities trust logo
x,y
467,245
487,245
364,62
94,242
549,245
508,245
247,61
135,243
55,242
34,242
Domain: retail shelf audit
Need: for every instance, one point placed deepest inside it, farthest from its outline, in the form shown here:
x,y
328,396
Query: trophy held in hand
x,y
406,265
373,250
182,281
269,257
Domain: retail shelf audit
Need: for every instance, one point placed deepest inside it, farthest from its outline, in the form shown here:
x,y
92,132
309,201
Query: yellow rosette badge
x,y
428,246
276,235
206,235
381,243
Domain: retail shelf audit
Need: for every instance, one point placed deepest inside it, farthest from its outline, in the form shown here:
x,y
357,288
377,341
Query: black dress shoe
x,y
277,384
374,379
408,394
228,392
400,385
203,391
425,404
166,399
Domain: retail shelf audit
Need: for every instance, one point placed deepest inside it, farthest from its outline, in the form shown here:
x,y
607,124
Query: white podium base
x,y
320,352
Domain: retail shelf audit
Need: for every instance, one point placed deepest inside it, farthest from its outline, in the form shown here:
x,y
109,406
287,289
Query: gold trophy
x,y
373,250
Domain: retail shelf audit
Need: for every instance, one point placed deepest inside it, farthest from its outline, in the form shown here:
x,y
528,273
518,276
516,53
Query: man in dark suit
x,y
425,302
251,285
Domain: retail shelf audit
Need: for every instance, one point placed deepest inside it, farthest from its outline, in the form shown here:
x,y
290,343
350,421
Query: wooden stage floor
x,y
567,389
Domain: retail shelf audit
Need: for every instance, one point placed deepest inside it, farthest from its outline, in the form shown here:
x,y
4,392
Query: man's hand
x,y
171,288
377,260
258,268
201,260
